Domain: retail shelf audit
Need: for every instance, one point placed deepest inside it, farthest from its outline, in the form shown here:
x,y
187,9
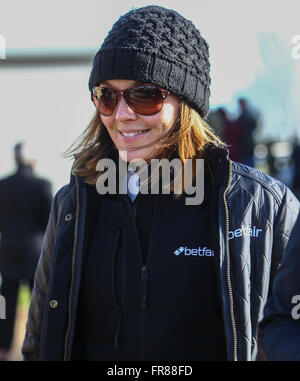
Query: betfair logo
x,y
178,251
248,231
201,252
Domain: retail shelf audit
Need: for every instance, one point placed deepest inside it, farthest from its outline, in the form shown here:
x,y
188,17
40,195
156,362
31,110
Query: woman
x,y
153,278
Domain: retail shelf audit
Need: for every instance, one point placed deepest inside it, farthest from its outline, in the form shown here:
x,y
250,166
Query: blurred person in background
x,y
247,123
216,122
25,202
146,276
232,135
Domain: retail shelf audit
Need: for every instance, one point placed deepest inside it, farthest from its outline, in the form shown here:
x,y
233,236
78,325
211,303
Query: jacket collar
x,y
217,159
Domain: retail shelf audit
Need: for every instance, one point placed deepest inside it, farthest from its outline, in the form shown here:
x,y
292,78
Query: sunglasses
x,y
144,100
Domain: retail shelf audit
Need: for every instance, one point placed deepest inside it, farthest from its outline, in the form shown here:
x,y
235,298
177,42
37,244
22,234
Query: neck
x,y
24,169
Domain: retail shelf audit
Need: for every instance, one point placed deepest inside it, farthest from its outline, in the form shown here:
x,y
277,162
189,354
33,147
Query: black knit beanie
x,y
157,45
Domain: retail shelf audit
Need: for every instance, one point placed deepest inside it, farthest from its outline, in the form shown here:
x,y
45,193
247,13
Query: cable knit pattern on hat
x,y
157,45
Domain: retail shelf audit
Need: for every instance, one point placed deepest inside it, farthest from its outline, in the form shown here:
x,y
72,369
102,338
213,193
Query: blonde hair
x,y
189,137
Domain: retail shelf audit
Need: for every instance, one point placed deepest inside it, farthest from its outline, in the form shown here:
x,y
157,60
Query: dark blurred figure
x,y
231,135
216,122
296,164
247,123
25,202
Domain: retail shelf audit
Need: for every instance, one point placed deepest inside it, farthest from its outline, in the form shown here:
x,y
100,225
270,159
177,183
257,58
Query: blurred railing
x,y
22,58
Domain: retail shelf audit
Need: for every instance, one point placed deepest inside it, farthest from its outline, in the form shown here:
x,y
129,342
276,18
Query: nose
x,y
123,111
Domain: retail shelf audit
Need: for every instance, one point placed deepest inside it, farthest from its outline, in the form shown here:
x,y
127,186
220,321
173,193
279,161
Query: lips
x,y
133,133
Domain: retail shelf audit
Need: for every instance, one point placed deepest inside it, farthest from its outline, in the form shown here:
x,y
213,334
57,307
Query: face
x,y
150,128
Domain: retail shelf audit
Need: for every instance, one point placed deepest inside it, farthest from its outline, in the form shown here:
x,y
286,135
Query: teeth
x,y
128,134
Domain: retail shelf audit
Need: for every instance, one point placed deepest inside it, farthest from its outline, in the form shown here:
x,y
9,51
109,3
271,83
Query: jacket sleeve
x,y
279,331
31,343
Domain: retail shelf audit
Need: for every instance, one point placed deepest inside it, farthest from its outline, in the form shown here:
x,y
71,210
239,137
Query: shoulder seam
x,y
261,182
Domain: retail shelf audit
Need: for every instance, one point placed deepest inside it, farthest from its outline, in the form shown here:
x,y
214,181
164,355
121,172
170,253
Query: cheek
x,y
169,115
104,120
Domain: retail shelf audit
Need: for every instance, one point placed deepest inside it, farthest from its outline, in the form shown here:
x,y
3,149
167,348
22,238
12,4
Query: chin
x,y
136,155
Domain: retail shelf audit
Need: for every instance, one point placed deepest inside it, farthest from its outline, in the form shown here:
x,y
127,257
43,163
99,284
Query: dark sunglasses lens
x,y
146,100
106,99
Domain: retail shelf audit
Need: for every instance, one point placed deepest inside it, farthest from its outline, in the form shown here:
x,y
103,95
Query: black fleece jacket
x,y
139,300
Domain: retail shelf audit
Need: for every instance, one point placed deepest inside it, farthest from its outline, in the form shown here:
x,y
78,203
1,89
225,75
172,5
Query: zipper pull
x,y
144,281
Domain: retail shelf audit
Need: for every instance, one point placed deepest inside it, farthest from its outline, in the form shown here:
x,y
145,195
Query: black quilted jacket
x,y
280,329
256,215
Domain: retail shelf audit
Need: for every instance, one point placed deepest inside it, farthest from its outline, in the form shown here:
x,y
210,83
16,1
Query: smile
x,y
129,134
133,134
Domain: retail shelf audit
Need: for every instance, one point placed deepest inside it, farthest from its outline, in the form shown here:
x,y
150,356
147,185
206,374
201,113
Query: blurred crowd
x,y
280,159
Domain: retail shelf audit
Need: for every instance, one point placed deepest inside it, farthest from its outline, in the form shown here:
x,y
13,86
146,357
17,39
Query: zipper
x,y
228,267
144,281
72,268
117,297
